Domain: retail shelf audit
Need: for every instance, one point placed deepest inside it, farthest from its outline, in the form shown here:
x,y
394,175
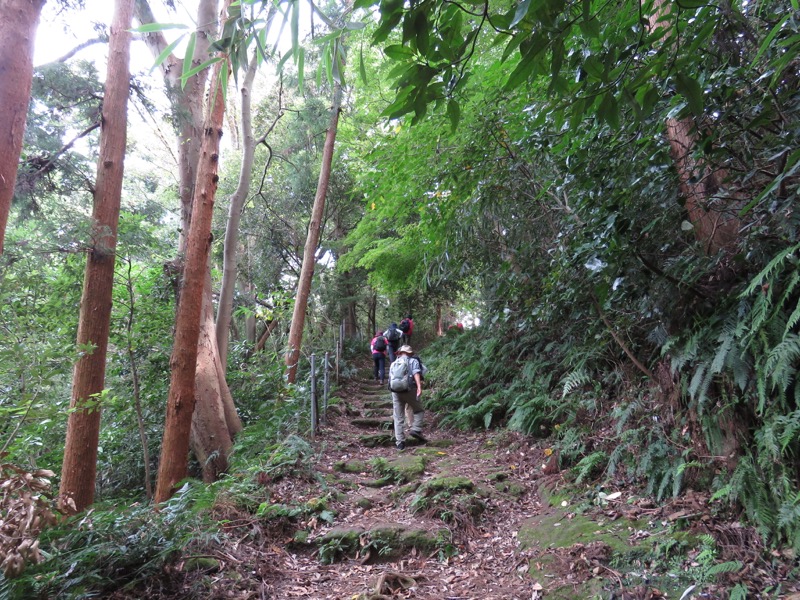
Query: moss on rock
x,y
377,439
351,466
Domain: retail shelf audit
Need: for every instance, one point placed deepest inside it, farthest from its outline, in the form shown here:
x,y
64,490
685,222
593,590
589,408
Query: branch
x,y
620,341
101,39
48,165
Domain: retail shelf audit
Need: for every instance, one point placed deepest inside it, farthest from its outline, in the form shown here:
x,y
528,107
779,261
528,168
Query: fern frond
x,y
721,357
781,362
732,566
575,380
768,271
739,592
590,465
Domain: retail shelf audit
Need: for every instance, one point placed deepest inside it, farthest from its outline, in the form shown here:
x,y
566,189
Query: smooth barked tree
x,y
83,428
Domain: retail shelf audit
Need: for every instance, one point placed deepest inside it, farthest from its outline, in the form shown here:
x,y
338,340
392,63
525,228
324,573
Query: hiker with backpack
x,y
393,336
405,383
407,327
378,347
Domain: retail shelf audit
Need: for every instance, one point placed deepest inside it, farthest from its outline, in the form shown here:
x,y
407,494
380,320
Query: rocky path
x,y
437,520
473,515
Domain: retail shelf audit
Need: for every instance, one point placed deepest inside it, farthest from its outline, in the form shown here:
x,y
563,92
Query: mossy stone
x,y
429,452
406,467
512,488
377,439
351,466
201,563
393,540
440,443
378,483
404,490
555,530
347,536
300,537
498,476
447,483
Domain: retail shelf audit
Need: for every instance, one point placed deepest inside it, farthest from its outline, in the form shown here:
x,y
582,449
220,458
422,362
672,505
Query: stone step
x,y
379,412
372,423
376,440
379,542
377,404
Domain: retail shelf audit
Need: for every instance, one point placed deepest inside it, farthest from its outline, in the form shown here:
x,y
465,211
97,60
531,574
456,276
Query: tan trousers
x,y
403,402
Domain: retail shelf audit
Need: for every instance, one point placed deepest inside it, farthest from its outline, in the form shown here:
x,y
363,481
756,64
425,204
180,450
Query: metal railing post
x,y
314,406
326,388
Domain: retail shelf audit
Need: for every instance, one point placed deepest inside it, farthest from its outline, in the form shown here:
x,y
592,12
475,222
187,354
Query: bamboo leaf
x,y
398,52
189,56
185,76
165,53
453,113
301,67
295,24
362,70
153,27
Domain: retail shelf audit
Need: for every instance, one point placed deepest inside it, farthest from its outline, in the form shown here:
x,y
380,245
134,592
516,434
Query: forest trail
x,y
437,520
468,515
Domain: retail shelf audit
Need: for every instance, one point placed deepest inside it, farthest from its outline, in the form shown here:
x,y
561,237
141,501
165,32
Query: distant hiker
x,y
378,346
405,382
407,327
393,336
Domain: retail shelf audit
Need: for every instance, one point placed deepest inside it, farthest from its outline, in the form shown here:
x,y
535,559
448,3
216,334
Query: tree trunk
x,y
715,227
234,216
83,427
373,309
215,421
186,102
187,106
181,402
439,323
18,22
350,315
312,239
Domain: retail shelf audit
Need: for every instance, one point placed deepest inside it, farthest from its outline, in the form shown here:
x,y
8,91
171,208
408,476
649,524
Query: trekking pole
x,y
314,418
326,388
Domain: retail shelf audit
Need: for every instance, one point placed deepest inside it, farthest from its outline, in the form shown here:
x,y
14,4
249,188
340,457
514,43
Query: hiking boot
x,y
381,381
401,446
418,436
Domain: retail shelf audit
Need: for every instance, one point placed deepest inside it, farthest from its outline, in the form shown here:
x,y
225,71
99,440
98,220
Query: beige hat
x,y
405,350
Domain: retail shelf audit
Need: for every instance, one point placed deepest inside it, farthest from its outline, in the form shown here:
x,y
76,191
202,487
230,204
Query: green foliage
x,y
590,466
114,547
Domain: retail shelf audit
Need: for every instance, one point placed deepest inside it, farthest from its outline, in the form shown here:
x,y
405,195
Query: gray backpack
x,y
399,374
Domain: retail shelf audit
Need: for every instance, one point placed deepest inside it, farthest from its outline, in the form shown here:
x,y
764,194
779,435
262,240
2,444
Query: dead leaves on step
x,y
389,584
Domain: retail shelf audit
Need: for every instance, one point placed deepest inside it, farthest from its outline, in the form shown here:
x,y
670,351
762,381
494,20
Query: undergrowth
x,y
718,413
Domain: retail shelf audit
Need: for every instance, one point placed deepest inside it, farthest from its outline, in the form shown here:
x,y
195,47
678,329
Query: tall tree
x,y
213,399
83,428
181,402
249,144
18,22
312,240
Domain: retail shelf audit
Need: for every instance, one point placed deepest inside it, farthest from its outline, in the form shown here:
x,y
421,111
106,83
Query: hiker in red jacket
x,y
378,347
407,327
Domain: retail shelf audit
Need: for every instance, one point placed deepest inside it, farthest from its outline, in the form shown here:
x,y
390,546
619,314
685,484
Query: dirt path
x,y
438,520
476,515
